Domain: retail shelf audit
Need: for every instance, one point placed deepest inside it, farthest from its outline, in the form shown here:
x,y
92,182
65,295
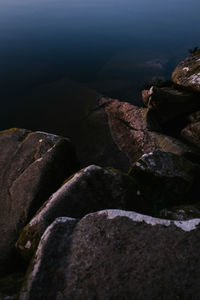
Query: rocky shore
x,y
96,232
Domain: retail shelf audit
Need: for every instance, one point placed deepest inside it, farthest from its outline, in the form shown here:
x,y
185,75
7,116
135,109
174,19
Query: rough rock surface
x,y
187,73
192,133
195,117
28,164
169,103
91,189
131,128
56,241
166,179
117,254
181,213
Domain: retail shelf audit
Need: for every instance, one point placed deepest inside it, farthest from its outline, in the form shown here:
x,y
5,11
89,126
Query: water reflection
x,y
56,56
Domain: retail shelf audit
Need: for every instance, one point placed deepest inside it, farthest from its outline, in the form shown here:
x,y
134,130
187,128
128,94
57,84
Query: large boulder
x,y
133,130
54,243
33,165
187,73
116,254
166,179
169,103
91,189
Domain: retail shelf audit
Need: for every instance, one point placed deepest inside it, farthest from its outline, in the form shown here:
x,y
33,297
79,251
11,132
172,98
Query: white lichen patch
x,y
136,217
186,69
194,79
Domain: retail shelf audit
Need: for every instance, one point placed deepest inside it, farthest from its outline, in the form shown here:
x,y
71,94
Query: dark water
x,y
57,56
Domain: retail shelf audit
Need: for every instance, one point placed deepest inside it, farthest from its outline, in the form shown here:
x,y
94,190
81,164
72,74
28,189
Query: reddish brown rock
x,y
135,130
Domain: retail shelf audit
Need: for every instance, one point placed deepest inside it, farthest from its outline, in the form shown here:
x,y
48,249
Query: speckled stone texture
x,y
91,189
136,131
33,165
187,73
166,180
117,254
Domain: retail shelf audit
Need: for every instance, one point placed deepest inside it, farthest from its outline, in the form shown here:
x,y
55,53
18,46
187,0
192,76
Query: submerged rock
x,y
33,165
169,103
115,254
133,130
91,189
187,73
166,179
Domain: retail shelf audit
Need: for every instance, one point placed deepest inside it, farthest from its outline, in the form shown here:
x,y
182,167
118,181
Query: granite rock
x,y
114,254
28,163
187,73
136,131
91,189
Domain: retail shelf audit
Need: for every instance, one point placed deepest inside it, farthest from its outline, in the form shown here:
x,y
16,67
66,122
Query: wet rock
x,y
181,213
166,179
89,190
116,254
133,130
169,103
33,165
187,73
192,133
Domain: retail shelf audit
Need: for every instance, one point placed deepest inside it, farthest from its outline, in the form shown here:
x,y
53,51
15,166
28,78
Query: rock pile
x,y
100,233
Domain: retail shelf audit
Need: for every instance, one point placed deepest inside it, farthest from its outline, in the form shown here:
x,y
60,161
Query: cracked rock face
x,y
187,73
135,130
115,254
91,189
28,163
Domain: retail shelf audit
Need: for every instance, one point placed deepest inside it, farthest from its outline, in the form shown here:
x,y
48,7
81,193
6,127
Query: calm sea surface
x,y
57,56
